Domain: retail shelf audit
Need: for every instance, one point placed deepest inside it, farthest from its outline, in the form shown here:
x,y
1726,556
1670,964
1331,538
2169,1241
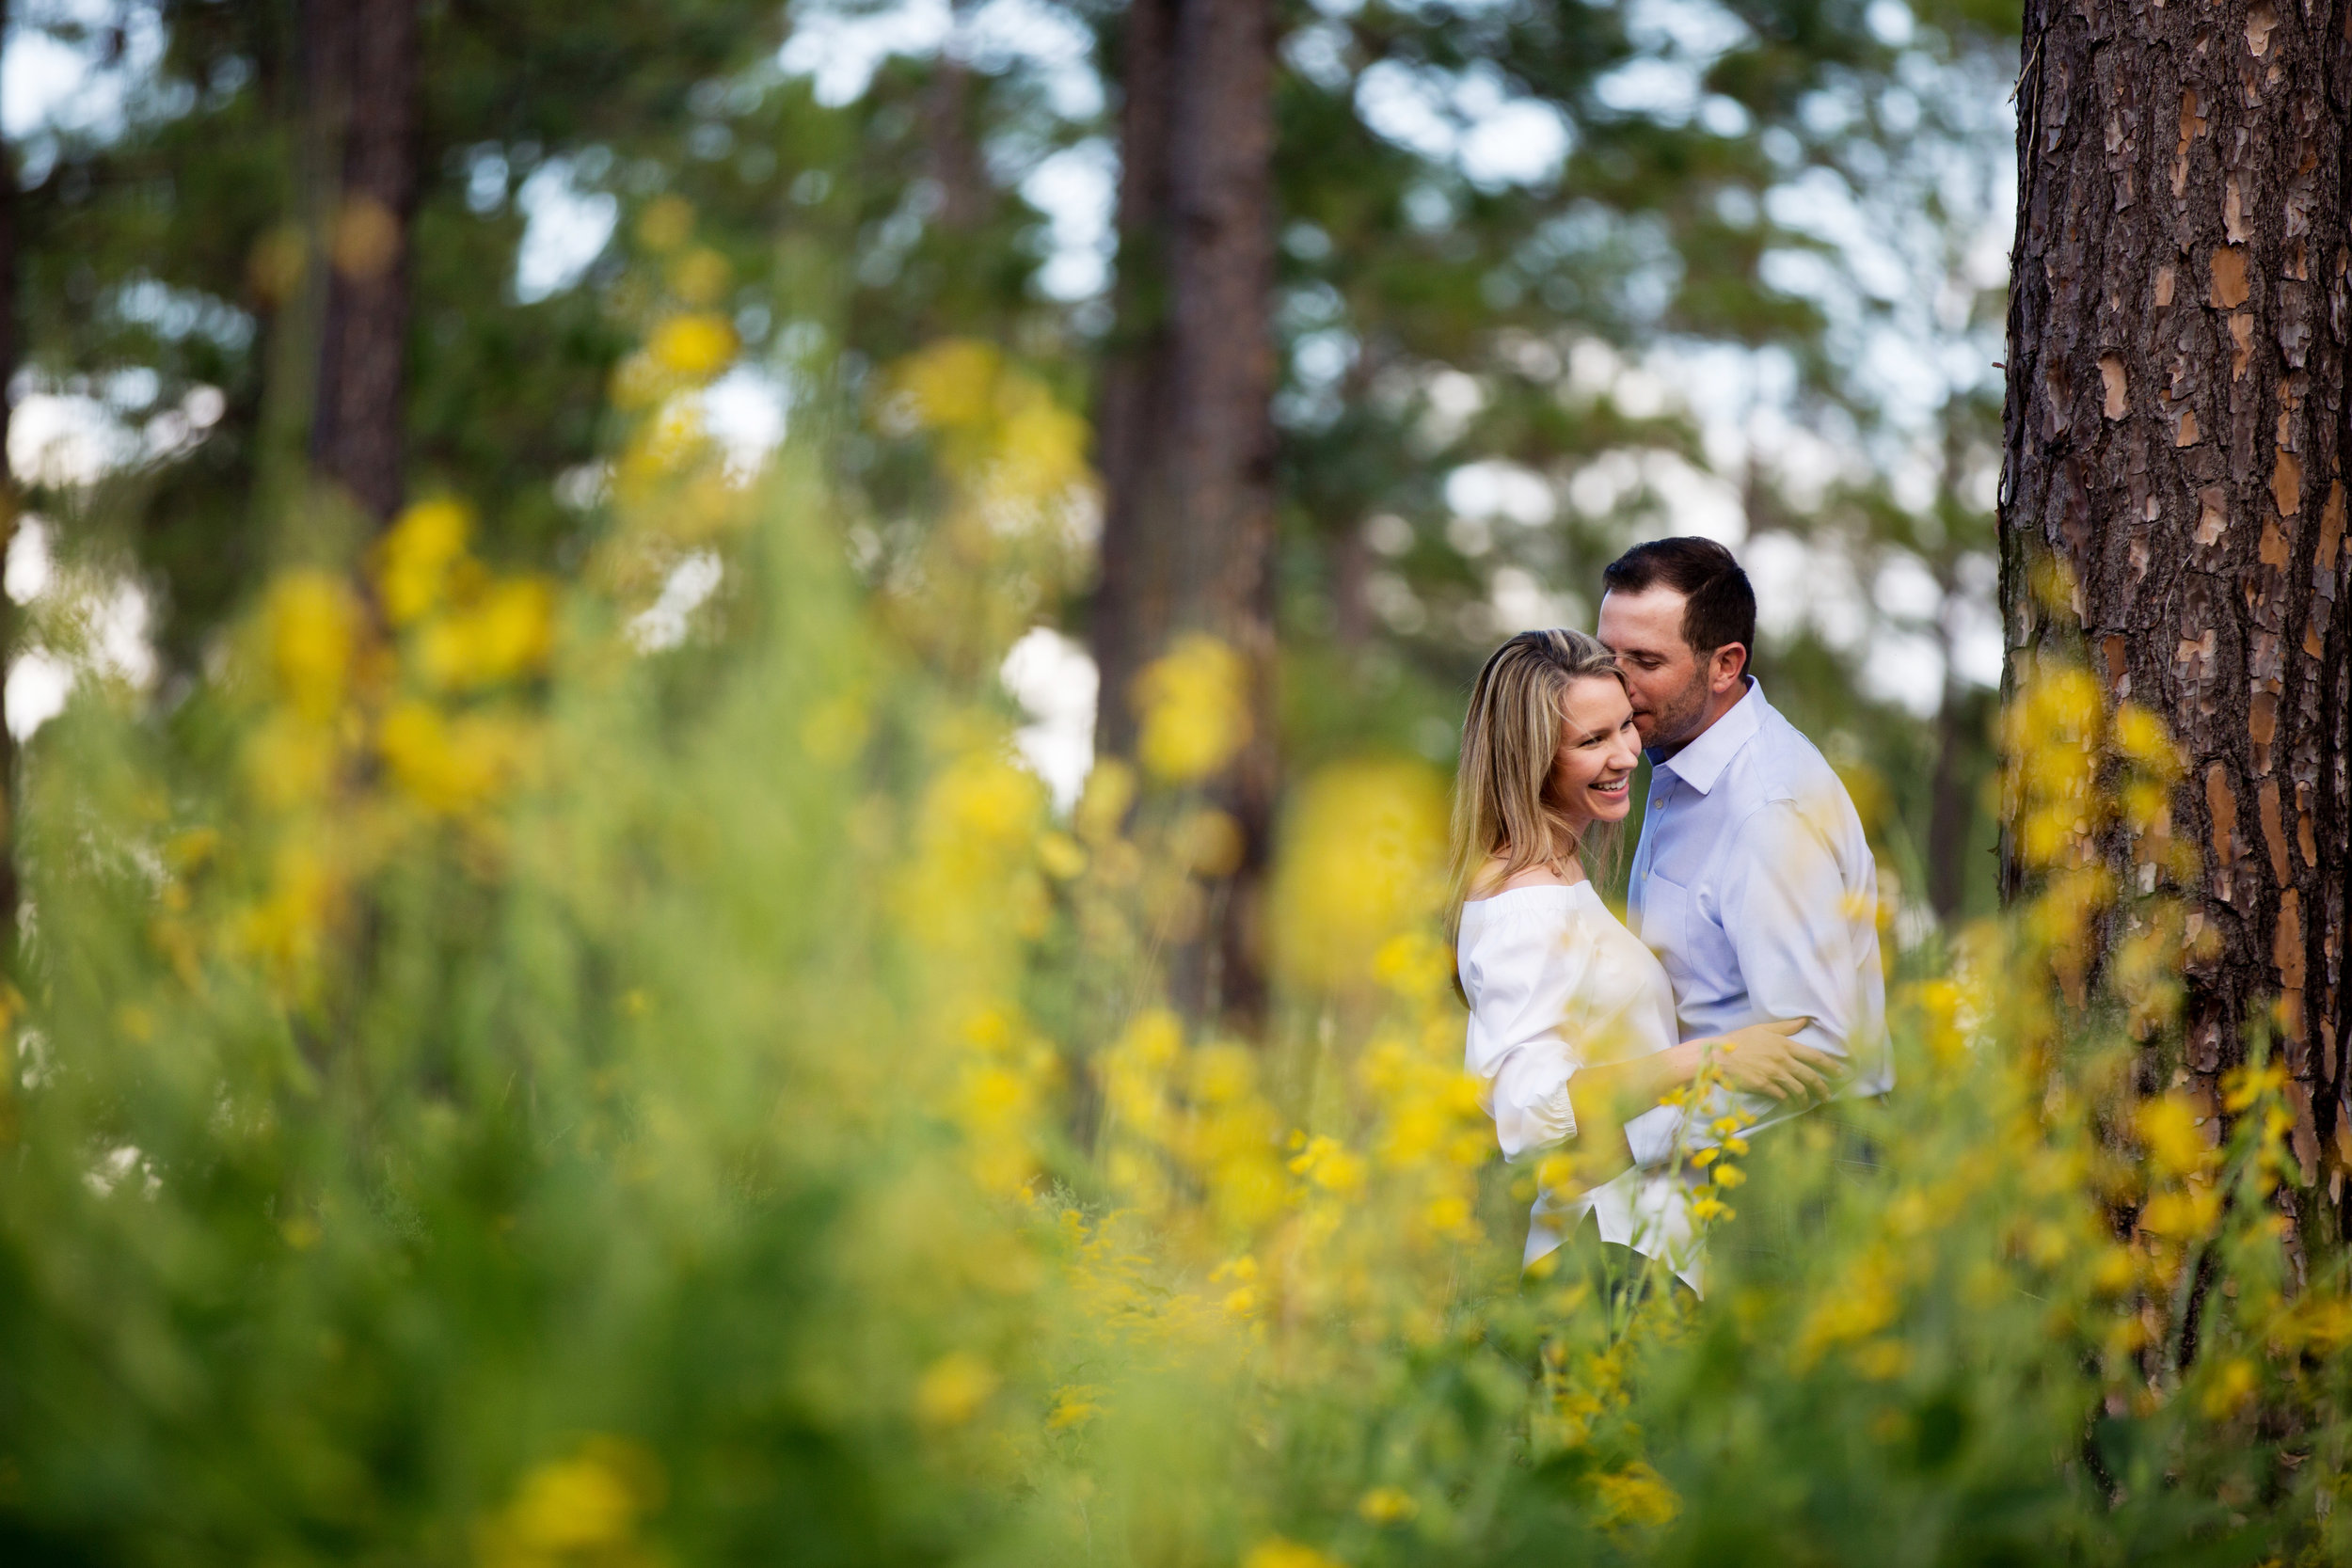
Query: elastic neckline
x,y
1569,888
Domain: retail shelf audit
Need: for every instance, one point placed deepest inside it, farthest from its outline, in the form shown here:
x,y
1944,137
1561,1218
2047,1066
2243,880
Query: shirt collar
x,y
1703,761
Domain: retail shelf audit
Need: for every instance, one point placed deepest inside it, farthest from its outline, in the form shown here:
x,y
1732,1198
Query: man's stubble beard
x,y
1677,724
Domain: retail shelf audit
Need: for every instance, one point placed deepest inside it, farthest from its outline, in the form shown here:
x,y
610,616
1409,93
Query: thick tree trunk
x,y
361,59
2176,440
1187,437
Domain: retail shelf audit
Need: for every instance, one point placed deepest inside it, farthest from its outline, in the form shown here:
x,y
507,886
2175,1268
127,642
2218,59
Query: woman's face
x,y
1598,747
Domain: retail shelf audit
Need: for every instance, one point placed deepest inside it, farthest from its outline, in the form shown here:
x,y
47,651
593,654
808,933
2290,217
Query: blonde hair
x,y
1502,799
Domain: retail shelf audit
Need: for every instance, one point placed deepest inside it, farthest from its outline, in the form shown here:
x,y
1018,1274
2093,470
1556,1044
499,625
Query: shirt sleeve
x,y
1788,915
1523,973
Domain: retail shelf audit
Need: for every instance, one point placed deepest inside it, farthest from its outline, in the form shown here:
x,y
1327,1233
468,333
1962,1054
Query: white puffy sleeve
x,y
1520,973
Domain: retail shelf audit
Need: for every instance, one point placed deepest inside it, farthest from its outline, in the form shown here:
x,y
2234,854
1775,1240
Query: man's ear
x,y
1724,666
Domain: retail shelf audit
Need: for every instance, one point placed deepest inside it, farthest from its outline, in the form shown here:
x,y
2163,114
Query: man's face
x,y
1663,674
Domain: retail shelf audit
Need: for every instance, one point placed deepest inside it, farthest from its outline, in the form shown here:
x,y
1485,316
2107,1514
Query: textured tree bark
x,y
2175,427
1187,435
361,61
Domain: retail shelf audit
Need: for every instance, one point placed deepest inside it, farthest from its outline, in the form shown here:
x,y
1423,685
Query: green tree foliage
x,y
171,242
1434,314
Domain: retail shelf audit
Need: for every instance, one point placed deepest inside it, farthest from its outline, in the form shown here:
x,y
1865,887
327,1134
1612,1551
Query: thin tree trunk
x,y
9,349
1131,602
1961,720
951,150
2176,433
362,59
1951,799
1187,432
1351,589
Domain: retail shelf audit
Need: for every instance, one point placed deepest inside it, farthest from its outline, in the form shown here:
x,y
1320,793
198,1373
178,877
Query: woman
x,y
1572,1020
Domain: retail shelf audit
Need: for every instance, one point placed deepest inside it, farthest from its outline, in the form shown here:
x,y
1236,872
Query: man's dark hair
x,y
1720,605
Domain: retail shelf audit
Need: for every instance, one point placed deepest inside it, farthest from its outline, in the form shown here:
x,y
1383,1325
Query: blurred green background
x,y
1554,277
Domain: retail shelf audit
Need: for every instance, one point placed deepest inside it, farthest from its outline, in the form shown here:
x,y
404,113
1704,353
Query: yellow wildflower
x,y
1210,843
573,1505
448,767
2169,1127
414,562
1073,1406
313,629
2230,1386
504,634
1110,790
1412,964
1062,856
2113,1272
696,345
1275,1552
1193,701
2246,1084
587,1505
1638,1495
1361,867
2188,1213
950,384
952,1389
2142,737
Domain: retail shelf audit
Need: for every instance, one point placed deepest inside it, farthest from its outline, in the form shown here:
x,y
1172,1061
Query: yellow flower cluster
x,y
1011,449
1016,505
1357,881
2074,770
408,681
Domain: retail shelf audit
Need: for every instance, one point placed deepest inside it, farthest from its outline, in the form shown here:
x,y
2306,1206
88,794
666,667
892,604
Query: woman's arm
x,y
1606,1098
1759,1059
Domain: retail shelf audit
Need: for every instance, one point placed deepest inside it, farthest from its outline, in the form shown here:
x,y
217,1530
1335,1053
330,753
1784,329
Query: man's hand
x,y
1762,1059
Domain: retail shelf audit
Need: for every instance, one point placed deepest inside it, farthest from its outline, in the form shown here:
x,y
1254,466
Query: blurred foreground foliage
x,y
516,1071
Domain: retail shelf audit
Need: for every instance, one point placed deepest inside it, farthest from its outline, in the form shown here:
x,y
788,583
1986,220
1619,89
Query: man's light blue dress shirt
x,y
1755,885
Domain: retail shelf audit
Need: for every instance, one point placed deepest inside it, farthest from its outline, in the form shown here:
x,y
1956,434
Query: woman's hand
x,y
1762,1059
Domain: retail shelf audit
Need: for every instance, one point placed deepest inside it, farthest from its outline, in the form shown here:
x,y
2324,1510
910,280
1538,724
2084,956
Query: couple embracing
x,y
1751,944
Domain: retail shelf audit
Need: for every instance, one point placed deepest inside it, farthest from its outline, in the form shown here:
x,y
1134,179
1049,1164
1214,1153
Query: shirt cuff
x,y
1543,1122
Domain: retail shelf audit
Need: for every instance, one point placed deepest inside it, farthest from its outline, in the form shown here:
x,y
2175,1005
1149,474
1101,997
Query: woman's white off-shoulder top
x,y
1557,984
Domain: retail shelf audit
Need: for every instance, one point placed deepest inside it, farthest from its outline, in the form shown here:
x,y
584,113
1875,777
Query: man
x,y
1753,881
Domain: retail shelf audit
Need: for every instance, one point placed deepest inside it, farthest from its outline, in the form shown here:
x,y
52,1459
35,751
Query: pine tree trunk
x,y
1132,601
1187,437
9,349
2176,438
951,151
362,63
1952,799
